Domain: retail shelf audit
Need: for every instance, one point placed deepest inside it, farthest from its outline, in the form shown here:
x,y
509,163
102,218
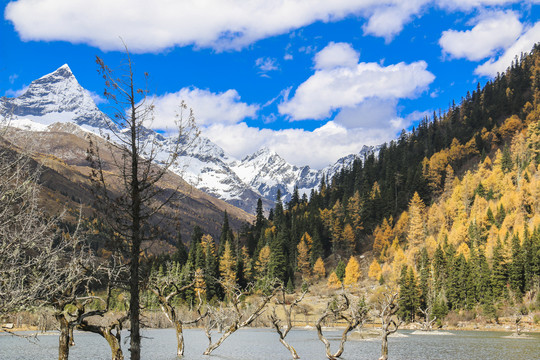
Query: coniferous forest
x,y
449,212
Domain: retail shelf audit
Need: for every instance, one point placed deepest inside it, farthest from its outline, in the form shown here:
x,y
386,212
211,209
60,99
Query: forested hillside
x,y
450,211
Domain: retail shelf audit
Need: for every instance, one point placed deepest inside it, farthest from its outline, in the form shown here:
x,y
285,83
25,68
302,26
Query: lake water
x,y
254,344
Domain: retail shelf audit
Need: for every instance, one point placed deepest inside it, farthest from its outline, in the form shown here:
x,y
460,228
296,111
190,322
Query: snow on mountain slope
x,y
267,172
56,97
59,98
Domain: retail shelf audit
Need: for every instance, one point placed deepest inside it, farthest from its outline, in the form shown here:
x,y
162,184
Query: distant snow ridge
x,y
56,97
59,98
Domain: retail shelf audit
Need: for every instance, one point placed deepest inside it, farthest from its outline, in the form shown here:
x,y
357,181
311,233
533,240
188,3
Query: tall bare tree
x,y
355,315
127,189
39,263
287,312
28,249
237,316
167,286
387,307
113,275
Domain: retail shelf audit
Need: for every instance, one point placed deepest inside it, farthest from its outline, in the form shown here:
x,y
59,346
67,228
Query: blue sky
x,y
314,80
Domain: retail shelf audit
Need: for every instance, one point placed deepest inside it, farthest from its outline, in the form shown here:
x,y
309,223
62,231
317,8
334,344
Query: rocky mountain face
x,y
59,98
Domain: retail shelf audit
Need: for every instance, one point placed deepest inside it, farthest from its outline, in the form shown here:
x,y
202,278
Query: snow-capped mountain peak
x,y
56,97
59,98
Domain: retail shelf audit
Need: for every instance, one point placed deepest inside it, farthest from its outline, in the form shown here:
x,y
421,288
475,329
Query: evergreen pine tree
x,y
180,255
516,275
499,272
277,265
506,161
340,270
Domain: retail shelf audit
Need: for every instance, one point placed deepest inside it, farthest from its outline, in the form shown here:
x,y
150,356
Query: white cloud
x,y
17,92
208,107
347,86
523,44
98,99
336,55
471,4
266,64
370,114
492,31
152,26
12,78
388,20
317,148
149,26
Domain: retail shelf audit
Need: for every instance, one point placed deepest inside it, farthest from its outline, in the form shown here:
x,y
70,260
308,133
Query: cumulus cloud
x,y
338,87
370,114
317,148
209,108
152,26
388,20
160,24
492,32
336,55
522,45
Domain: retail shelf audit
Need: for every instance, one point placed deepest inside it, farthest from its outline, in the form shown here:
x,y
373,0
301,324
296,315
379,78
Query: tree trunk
x,y
135,336
107,333
136,233
290,348
114,343
227,333
384,347
63,341
179,339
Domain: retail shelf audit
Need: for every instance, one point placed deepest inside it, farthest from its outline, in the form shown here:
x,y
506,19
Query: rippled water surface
x,y
251,344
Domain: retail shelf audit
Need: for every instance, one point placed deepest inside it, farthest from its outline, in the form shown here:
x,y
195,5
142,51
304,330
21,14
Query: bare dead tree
x,y
387,308
427,324
167,286
238,318
287,311
355,316
30,249
130,196
115,274
39,264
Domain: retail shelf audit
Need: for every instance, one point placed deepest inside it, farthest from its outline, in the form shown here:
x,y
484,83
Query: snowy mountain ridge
x,y
59,98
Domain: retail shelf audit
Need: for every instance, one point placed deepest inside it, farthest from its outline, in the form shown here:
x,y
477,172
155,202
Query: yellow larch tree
x,y
349,239
318,269
354,209
416,232
227,264
352,272
261,265
333,281
336,234
383,236
448,181
248,271
200,284
302,260
402,226
308,239
208,245
375,270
